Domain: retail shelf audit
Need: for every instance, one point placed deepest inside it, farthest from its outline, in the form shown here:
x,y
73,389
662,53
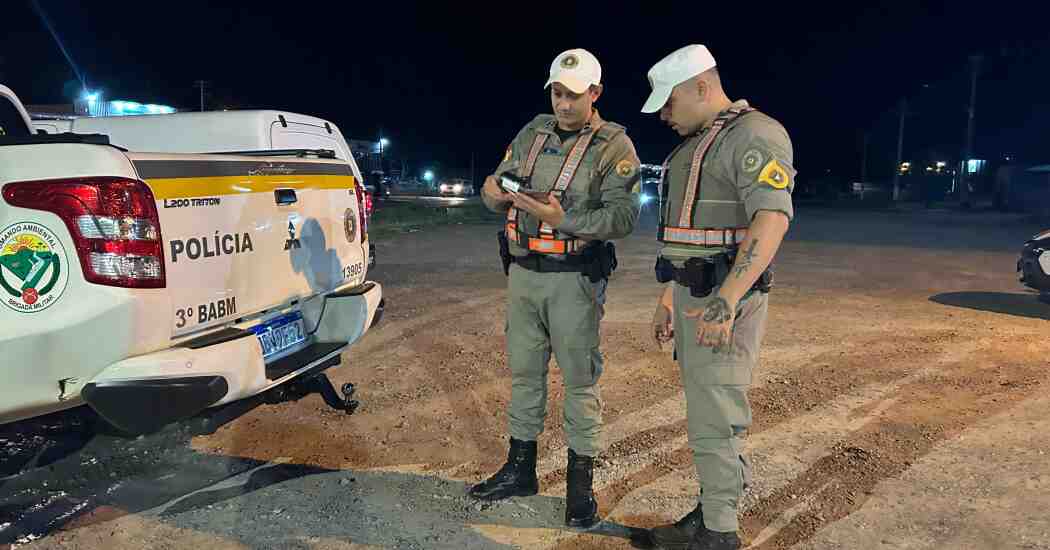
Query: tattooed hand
x,y
714,325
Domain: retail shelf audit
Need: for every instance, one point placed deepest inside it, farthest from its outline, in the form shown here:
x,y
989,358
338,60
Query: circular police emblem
x,y
570,62
625,168
350,224
752,160
33,273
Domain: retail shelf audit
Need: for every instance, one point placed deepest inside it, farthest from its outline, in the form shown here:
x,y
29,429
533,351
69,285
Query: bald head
x,y
695,103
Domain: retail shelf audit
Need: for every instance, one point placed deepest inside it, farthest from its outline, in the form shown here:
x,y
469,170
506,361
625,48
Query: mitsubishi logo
x,y
292,242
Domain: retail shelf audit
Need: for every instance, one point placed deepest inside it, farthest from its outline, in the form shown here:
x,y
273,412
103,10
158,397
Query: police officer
x,y
728,205
583,173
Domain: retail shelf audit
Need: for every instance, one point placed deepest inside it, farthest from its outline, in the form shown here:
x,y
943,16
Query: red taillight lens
x,y
113,221
362,210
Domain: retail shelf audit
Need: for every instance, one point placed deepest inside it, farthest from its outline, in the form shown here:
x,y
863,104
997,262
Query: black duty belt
x,y
541,263
702,275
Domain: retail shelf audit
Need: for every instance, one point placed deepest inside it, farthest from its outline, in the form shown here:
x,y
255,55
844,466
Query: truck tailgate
x,y
246,234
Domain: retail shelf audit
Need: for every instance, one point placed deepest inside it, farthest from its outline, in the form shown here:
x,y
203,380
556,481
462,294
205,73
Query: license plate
x,y
280,334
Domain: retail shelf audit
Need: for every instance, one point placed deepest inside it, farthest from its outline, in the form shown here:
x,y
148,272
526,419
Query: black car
x,y
1034,265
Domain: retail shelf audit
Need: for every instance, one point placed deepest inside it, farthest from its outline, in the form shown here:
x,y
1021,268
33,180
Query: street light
x,y
383,142
428,176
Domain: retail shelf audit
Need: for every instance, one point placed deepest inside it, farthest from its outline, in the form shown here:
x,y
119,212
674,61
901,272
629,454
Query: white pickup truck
x,y
160,286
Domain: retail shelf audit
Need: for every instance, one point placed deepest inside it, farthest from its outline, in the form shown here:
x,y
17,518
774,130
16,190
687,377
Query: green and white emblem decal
x,y
33,267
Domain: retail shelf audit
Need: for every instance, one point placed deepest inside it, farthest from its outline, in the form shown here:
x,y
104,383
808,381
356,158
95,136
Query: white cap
x,y
577,69
681,65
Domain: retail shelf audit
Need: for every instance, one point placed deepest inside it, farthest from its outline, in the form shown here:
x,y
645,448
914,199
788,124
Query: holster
x,y
504,251
601,260
702,275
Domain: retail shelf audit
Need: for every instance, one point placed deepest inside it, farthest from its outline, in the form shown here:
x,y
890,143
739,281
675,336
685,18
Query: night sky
x,y
444,82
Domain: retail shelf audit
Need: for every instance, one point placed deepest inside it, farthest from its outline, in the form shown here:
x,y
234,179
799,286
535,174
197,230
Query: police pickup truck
x,y
162,286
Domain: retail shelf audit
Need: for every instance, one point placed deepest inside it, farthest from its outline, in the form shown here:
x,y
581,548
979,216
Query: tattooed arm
x,y
714,327
755,254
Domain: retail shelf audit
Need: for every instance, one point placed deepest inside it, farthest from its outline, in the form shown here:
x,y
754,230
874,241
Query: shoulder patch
x,y
774,175
752,161
625,168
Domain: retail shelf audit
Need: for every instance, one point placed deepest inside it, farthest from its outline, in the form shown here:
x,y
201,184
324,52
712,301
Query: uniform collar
x,y
738,104
593,123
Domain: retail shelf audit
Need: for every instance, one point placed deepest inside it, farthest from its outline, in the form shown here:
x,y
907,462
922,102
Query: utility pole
x,y
903,111
864,159
202,84
964,190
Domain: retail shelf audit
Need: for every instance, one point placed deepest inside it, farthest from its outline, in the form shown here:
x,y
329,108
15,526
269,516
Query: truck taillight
x,y
113,221
362,210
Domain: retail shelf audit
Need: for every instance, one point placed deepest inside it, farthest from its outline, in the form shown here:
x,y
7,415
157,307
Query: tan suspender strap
x,y
534,153
526,172
546,243
693,183
684,233
568,171
572,162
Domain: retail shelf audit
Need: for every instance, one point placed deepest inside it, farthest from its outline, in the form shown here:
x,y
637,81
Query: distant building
x,y
1026,188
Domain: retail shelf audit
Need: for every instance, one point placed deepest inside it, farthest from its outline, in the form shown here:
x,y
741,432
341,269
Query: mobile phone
x,y
512,183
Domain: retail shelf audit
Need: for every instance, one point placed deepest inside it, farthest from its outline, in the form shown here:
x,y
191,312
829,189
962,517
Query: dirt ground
x,y
901,402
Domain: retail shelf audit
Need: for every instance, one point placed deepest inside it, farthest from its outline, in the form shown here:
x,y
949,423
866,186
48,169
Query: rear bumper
x,y
143,394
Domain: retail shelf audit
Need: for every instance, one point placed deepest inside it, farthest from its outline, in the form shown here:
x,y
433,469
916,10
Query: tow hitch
x,y
319,383
209,421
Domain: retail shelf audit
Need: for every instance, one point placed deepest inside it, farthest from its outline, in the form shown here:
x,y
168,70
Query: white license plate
x,y
280,334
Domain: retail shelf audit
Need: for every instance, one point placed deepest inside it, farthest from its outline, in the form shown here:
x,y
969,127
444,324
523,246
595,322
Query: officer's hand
x,y
493,191
663,324
714,324
550,212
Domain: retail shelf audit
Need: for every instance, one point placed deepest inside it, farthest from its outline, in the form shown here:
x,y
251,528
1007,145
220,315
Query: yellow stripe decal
x,y
181,188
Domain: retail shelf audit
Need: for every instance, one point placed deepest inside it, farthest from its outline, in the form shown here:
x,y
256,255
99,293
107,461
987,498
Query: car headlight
x,y
444,188
458,188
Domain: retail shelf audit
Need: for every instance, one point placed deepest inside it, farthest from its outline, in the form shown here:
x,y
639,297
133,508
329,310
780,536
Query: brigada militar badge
x,y
625,168
752,161
774,175
569,62
33,267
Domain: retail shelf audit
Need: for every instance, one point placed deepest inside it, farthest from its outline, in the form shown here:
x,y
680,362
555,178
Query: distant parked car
x,y
1034,264
456,187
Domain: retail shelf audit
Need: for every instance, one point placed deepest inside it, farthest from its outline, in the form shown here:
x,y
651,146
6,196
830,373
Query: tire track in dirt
x,y
783,399
928,411
835,373
957,387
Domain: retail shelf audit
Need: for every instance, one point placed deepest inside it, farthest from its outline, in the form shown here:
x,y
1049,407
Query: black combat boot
x,y
517,478
713,540
581,510
677,535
